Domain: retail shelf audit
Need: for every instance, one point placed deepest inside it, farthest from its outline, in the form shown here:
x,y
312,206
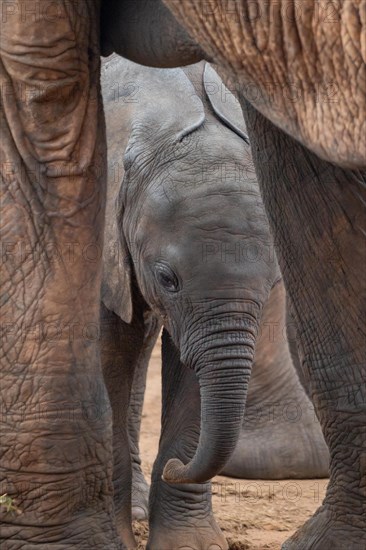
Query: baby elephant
x,y
187,246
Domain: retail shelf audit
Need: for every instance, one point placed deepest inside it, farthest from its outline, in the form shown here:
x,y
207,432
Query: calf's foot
x,y
181,518
140,494
123,524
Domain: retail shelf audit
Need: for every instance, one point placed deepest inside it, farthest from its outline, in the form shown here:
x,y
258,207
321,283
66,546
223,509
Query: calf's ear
x,y
116,291
163,108
169,108
224,103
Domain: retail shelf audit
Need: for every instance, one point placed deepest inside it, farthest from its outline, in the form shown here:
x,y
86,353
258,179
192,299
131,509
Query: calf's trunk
x,y
223,366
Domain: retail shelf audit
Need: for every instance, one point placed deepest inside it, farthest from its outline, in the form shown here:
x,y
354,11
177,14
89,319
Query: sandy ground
x,y
253,514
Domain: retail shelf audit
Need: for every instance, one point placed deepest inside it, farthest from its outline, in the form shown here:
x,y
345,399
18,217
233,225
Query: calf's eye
x,y
166,278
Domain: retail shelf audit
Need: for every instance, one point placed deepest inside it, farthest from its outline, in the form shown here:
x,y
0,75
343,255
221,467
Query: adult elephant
x,y
306,63
188,247
57,436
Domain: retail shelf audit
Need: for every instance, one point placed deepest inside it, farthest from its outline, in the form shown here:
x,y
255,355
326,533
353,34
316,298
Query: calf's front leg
x,y
126,349
180,515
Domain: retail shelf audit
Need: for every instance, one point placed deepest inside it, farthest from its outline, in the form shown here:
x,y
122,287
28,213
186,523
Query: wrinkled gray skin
x,y
308,155
191,207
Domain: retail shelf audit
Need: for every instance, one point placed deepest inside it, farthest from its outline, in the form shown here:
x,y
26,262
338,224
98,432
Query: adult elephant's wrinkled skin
x,y
188,247
54,192
56,435
301,64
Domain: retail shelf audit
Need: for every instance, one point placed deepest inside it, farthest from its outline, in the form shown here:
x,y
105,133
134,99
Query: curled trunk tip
x,y
223,376
176,472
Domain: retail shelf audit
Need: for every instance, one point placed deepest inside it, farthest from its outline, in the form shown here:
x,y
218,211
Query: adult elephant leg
x,y
56,432
281,437
316,212
293,345
140,487
180,515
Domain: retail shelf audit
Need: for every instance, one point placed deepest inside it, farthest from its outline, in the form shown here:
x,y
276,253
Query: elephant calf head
x,y
185,221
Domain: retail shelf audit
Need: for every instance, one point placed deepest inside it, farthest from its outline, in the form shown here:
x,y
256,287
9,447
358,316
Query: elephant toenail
x,y
138,513
214,547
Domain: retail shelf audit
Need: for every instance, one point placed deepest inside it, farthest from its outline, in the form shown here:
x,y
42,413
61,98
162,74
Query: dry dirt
x,y
253,514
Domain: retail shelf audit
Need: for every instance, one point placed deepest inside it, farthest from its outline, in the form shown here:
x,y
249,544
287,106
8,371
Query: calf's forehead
x,y
205,217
